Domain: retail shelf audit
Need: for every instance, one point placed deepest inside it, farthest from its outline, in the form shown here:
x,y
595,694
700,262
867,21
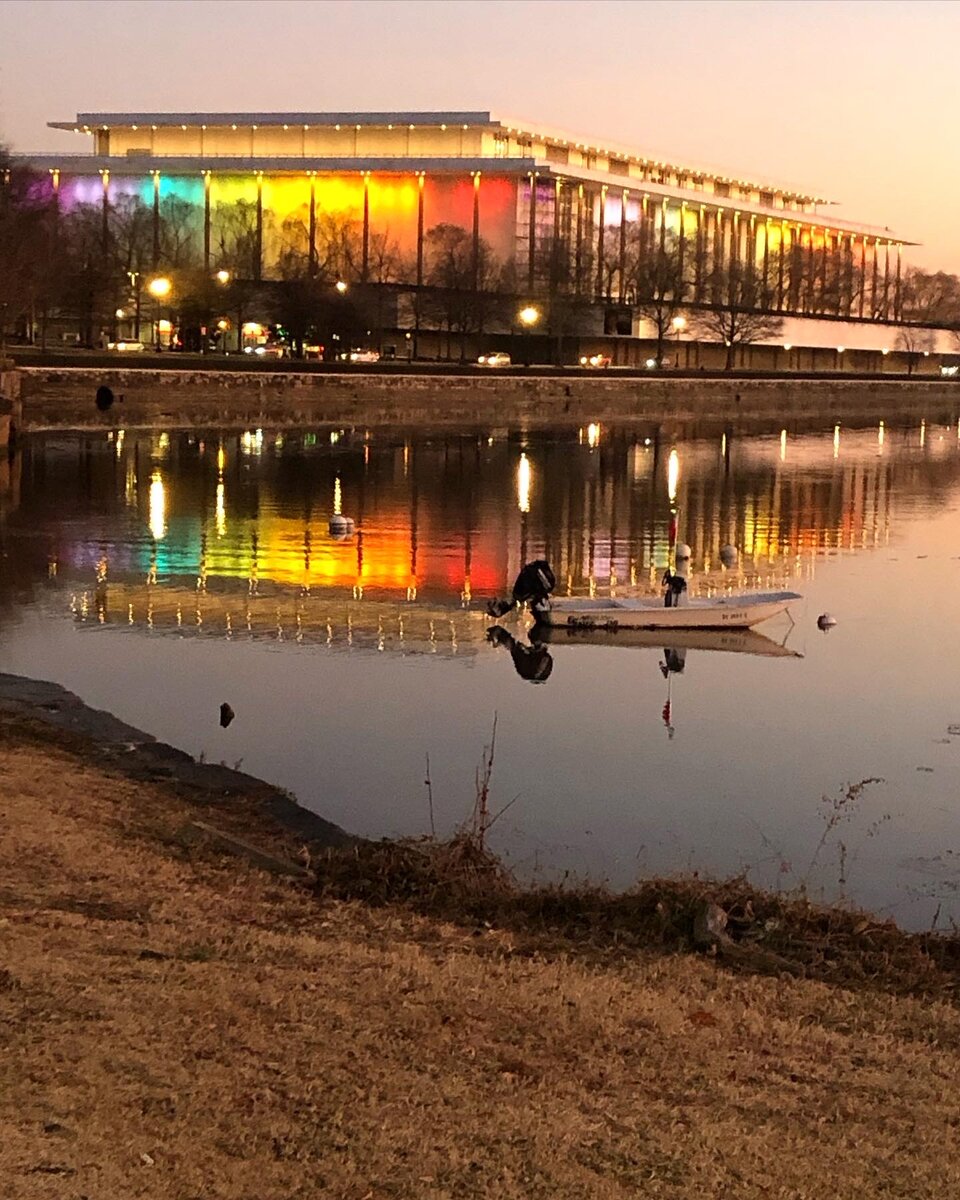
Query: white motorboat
x,y
741,610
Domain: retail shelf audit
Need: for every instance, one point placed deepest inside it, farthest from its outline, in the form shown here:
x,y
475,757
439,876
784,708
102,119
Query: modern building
x,y
544,213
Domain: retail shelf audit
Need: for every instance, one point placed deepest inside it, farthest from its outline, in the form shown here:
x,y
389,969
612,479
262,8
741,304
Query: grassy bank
x,y
177,1024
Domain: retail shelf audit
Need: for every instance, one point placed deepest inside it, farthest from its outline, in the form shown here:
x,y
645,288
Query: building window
x,y
619,166
721,189
501,145
766,199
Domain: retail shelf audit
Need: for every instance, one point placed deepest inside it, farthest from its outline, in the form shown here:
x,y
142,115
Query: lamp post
x,y
134,277
679,324
529,316
159,289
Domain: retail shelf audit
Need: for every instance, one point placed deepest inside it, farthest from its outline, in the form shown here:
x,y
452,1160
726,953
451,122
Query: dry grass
x,y
178,1027
767,932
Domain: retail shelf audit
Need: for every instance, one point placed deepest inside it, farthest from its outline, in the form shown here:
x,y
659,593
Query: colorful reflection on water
x,y
160,574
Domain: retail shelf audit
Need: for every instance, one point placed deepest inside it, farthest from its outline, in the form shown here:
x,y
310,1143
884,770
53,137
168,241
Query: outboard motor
x,y
674,588
532,586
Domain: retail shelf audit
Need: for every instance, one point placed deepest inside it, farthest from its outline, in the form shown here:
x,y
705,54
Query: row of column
x,y
801,268
257,264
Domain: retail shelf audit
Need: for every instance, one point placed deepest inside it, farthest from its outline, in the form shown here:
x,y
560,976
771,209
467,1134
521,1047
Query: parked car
x,y
267,350
499,358
595,360
126,347
363,356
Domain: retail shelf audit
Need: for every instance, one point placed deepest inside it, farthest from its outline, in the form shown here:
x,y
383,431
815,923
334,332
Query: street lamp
x,y
134,277
529,316
340,286
159,289
679,325
222,277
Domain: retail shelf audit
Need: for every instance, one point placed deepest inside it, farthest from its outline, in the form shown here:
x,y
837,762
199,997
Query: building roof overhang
x,y
89,122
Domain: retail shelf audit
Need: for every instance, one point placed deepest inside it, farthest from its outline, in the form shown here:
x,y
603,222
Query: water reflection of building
x,y
339,622
10,468
449,518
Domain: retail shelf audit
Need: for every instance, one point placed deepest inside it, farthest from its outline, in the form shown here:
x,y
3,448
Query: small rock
x,y
710,925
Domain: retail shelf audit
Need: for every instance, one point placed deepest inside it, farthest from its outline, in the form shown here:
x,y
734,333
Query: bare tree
x,y
467,288
339,246
179,234
658,280
28,271
915,342
236,242
92,289
737,317
931,298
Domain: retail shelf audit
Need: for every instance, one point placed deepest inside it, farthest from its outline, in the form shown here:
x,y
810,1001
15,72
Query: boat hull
x,y
726,612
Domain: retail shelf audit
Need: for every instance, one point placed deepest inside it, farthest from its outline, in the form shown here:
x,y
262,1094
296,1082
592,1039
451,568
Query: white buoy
x,y
341,526
683,552
728,555
826,621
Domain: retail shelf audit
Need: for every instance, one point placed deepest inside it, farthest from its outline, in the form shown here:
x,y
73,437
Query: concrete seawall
x,y
63,398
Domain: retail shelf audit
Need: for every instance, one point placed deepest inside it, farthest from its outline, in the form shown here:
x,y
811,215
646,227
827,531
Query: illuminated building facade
x,y
560,216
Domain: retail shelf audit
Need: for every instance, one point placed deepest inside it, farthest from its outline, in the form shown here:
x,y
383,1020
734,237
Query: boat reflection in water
x,y
534,661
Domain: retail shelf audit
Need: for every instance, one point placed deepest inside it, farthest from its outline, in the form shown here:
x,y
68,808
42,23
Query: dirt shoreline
x,y
176,1022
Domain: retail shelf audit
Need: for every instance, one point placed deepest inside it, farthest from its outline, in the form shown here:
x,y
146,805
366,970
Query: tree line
x,y
85,265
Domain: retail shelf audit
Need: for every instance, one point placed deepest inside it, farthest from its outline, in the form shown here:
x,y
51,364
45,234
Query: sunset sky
x,y
854,100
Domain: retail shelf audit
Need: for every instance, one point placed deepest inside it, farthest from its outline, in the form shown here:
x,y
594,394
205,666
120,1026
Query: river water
x,y
158,575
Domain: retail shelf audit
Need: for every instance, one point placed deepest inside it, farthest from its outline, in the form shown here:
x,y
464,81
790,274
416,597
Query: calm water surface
x,y
158,575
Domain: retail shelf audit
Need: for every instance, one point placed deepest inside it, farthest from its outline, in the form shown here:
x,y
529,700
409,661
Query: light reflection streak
x,y
673,475
221,510
523,484
158,507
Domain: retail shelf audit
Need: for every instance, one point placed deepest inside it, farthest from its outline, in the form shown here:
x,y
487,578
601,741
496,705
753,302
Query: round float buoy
x,y
826,621
728,555
341,526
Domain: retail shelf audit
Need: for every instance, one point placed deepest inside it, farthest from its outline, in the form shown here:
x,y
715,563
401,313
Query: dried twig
x,y
429,785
